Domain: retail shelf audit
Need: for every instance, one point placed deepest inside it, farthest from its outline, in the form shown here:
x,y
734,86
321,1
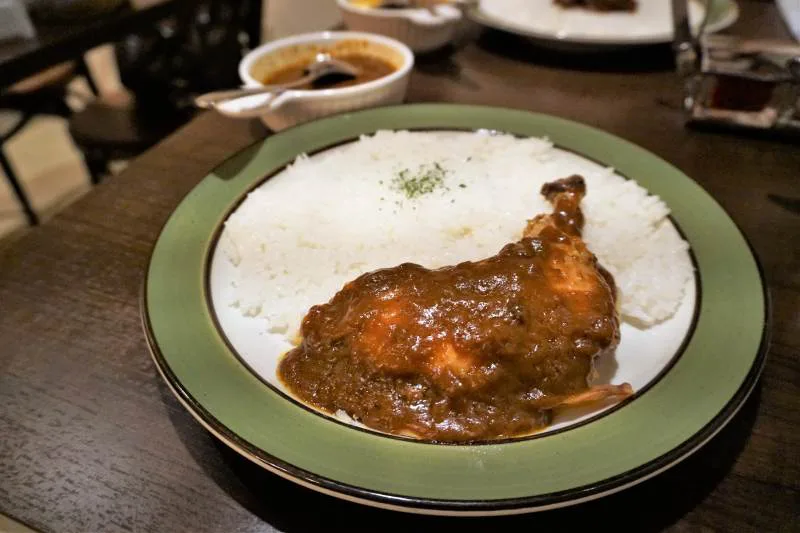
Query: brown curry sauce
x,y
479,350
370,68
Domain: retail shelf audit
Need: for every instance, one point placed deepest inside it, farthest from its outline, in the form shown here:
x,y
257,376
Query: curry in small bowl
x,y
372,62
383,67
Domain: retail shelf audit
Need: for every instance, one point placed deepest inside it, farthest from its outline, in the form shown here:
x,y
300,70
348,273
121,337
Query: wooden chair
x,y
194,52
41,94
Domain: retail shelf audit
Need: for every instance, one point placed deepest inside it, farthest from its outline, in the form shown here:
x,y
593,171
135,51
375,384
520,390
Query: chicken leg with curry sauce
x,y
479,350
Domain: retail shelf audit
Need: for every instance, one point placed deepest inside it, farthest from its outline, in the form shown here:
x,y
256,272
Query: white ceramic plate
x,y
642,356
651,23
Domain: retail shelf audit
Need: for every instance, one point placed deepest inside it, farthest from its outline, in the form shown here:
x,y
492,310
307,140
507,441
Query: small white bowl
x,y
421,29
296,106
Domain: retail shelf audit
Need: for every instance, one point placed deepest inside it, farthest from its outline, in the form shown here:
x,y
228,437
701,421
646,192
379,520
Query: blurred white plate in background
x,y
651,23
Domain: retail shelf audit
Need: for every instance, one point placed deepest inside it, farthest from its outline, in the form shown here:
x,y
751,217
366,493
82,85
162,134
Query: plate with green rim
x,y
577,29
701,389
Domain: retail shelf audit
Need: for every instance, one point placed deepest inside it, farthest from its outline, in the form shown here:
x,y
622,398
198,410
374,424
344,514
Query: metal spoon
x,y
323,65
403,4
430,6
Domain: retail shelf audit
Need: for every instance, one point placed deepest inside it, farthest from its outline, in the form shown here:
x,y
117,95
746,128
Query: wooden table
x,y
91,440
58,41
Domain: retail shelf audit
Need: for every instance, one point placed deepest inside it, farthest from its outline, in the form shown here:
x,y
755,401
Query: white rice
x,y
327,219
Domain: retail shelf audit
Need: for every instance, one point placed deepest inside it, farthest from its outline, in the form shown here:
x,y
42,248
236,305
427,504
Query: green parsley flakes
x,y
426,179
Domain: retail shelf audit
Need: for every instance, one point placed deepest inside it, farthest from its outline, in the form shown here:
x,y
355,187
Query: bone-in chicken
x,y
479,350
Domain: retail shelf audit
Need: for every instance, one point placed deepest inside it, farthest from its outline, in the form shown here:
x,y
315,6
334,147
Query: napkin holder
x,y
739,83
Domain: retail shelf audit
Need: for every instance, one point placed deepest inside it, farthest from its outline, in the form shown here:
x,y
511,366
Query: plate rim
x,y
477,15
430,505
